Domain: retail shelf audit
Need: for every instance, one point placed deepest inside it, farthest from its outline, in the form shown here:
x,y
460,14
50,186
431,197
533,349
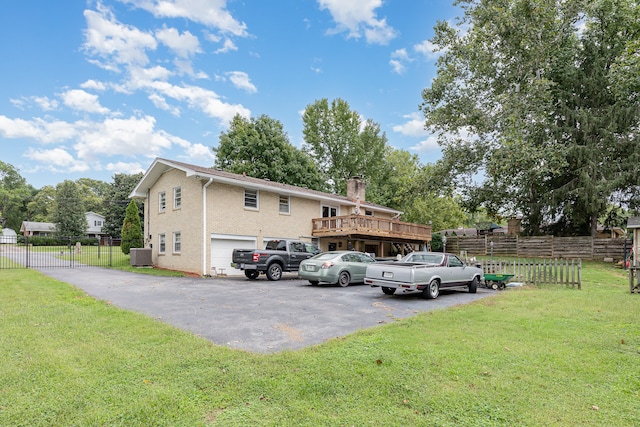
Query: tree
x,y
116,200
340,145
93,193
131,229
525,96
260,148
42,205
14,192
69,214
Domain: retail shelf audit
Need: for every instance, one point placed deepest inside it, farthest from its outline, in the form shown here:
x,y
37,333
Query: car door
x,y
297,253
358,266
456,271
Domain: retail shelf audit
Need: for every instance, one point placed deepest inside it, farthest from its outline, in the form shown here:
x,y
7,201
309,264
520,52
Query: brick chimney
x,y
355,188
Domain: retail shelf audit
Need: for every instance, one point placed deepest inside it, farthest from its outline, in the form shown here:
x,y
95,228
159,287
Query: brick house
x,y
195,216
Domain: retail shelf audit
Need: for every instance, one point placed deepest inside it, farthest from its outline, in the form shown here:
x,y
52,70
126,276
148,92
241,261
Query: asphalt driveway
x,y
258,316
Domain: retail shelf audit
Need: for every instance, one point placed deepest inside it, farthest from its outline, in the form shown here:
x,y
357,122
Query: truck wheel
x,y
388,291
473,286
274,272
432,291
252,274
344,279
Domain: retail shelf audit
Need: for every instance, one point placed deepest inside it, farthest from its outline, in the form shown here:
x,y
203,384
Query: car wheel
x,y
432,291
252,274
388,291
274,272
314,282
344,279
473,286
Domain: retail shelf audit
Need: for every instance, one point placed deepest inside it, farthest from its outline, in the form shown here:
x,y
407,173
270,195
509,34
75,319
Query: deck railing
x,y
370,226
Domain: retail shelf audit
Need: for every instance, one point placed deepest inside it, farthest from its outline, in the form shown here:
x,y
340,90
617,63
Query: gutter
x,y
204,227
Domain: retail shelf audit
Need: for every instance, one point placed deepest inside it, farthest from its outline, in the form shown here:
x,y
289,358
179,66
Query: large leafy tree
x,y
531,118
341,145
42,205
116,200
14,193
259,147
69,214
93,192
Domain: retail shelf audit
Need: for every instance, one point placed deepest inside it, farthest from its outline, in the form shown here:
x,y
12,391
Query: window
x,y
368,213
284,204
162,201
251,199
161,243
329,211
177,197
97,223
177,237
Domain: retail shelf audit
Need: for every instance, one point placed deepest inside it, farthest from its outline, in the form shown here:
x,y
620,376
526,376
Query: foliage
x,y
14,192
260,148
501,361
42,205
131,229
340,144
93,192
116,200
524,95
69,212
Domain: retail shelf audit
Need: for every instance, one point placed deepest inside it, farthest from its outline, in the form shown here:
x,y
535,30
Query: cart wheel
x,y
494,286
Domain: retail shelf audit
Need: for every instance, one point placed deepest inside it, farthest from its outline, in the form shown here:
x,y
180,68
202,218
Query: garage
x,y
222,246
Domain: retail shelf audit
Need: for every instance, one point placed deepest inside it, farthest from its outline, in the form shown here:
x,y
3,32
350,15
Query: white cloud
x,y
161,103
57,160
184,45
358,17
124,167
115,43
45,103
36,129
227,46
414,126
397,66
199,153
212,13
93,85
80,100
427,49
429,144
241,80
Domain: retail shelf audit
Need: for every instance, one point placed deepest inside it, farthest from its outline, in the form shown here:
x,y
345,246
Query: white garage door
x,y
222,246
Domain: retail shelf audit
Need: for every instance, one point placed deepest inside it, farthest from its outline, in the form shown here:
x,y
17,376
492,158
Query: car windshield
x,y
427,258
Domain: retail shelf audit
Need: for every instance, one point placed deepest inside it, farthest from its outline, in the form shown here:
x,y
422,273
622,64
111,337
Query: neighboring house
x,y
195,216
95,222
32,228
8,235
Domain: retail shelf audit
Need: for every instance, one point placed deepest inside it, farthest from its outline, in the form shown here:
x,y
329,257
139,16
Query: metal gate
x,y
62,252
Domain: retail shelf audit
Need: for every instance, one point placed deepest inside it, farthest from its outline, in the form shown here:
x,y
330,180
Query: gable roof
x,y
37,226
160,166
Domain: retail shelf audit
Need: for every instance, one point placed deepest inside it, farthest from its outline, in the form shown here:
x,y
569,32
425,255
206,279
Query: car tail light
x,y
327,264
256,257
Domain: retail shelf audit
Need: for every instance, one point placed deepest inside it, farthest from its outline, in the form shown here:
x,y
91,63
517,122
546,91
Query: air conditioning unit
x,y
140,257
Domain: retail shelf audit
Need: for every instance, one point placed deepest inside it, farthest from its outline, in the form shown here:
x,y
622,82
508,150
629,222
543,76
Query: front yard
x,y
528,357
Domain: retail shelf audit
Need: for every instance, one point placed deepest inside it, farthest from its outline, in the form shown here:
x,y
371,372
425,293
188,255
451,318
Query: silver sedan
x,y
335,267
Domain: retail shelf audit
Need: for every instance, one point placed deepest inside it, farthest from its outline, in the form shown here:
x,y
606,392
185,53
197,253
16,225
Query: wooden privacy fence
x,y
541,247
537,272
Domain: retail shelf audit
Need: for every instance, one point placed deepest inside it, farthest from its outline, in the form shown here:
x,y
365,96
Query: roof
x,y
37,226
160,166
633,222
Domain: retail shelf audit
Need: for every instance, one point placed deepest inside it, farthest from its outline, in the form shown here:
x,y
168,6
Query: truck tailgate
x,y
400,272
242,255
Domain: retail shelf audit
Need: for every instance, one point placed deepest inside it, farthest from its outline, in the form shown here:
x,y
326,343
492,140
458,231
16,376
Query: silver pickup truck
x,y
423,271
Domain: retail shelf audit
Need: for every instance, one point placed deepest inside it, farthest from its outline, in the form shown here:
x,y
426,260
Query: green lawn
x,y
546,356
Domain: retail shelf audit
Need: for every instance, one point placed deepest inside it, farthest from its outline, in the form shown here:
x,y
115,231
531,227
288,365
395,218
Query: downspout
x,y
204,227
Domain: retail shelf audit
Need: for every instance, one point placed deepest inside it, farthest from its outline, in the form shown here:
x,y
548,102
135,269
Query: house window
x,y
368,213
251,199
329,211
161,243
177,197
162,201
284,204
177,242
97,223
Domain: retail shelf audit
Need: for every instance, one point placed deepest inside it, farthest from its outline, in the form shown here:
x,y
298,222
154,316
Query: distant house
x,y
7,235
95,222
33,228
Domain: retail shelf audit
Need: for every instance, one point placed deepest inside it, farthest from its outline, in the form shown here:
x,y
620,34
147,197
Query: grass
x,y
547,356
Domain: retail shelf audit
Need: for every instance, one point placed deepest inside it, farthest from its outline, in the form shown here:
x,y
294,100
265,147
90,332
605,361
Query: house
x,y
195,216
95,222
33,228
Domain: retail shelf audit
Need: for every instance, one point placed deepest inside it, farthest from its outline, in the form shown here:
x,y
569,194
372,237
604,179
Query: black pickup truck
x,y
277,256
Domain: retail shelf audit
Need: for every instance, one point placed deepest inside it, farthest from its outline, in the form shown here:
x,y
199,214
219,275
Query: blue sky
x,y
89,89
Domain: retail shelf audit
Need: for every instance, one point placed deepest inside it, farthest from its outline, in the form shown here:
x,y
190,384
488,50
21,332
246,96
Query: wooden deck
x,y
359,226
